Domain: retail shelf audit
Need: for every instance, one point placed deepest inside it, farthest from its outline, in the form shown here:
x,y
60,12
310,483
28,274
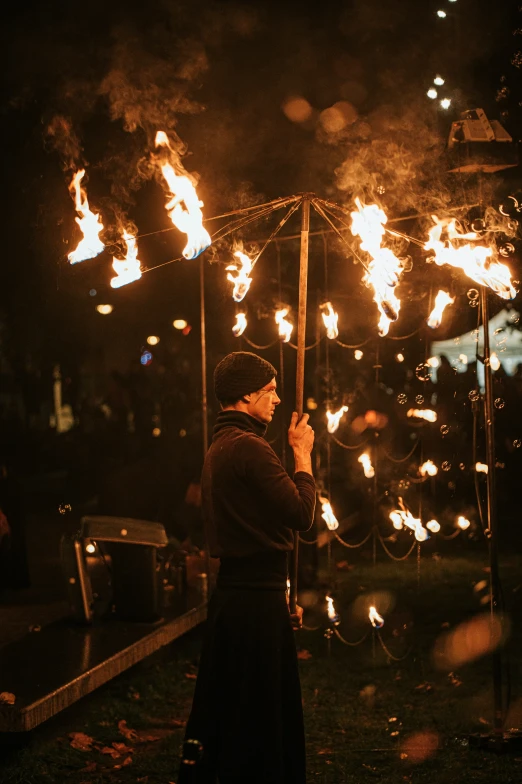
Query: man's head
x,y
245,382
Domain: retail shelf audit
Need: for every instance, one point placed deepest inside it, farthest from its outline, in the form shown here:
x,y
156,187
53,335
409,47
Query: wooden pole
x,y
204,401
299,384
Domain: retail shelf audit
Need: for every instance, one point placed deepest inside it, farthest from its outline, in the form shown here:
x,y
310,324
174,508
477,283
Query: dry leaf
x,y
7,698
325,751
303,654
126,761
114,753
126,731
81,741
191,676
122,748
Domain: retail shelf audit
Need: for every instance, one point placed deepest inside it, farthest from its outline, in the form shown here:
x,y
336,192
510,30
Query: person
x,y
247,712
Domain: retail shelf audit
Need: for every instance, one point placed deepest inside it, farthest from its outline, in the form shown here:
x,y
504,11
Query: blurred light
x,y
494,361
433,362
376,620
153,340
182,433
438,81
358,354
432,93
179,324
399,357
463,522
104,309
463,358
297,109
311,404
441,14
186,330
92,293
433,526
445,103
146,358
332,613
481,468
428,469
90,548
156,432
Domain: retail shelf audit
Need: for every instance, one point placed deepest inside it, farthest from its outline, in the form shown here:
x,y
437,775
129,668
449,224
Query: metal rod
x,y
492,526
204,400
299,382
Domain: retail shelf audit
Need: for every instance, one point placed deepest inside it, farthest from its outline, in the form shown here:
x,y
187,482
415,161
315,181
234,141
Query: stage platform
x,y
51,669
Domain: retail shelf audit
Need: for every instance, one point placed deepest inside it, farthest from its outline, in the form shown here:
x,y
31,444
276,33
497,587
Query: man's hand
x,y
300,434
297,618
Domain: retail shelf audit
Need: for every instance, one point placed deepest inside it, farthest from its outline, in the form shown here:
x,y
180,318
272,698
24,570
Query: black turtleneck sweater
x,y
251,506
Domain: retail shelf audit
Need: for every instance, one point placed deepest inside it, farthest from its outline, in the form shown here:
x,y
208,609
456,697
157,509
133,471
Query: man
x,y
247,710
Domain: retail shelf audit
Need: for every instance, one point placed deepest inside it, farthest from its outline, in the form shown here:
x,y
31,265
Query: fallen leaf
x,y
81,741
114,753
126,731
7,698
126,761
191,676
424,687
122,748
303,654
325,751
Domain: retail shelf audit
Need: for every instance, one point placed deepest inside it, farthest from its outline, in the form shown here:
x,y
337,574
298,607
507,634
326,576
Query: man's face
x,y
263,402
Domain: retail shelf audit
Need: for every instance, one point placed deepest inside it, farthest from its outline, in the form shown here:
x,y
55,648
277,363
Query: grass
x,y
369,717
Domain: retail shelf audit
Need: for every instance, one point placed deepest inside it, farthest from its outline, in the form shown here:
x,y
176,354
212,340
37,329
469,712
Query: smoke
x,y
61,137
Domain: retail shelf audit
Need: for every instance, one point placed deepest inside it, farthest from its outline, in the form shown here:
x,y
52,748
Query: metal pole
x,y
492,529
204,401
299,382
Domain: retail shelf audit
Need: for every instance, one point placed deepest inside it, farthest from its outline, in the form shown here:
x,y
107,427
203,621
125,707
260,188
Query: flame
x,y
184,208
328,515
330,320
428,469
285,328
332,613
335,418
494,361
365,461
376,620
127,270
241,279
423,413
403,517
481,468
358,354
89,223
474,260
240,325
433,526
463,522
441,300
384,271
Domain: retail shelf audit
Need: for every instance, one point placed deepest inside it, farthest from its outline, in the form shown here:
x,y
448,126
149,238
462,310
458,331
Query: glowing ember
x,y
184,208
328,515
285,328
474,260
428,469
441,300
423,413
241,279
365,461
335,418
129,269
330,320
403,517
376,620
463,522
384,271
332,613
89,223
433,526
481,468
240,325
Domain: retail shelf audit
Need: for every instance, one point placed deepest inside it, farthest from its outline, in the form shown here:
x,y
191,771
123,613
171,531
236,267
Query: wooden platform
x,y
49,670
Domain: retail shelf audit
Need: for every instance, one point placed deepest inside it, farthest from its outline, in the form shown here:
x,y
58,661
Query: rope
x,y
352,546
387,650
348,446
347,642
391,555
401,459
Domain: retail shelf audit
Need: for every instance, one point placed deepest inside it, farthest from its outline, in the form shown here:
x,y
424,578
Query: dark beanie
x,y
241,373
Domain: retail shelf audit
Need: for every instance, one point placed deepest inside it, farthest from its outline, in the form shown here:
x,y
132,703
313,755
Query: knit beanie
x,y
241,373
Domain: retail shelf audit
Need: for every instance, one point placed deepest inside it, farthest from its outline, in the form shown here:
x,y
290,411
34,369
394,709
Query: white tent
x,y
505,342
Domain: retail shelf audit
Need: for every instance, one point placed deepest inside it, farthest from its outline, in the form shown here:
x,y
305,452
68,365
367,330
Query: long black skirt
x,y
247,710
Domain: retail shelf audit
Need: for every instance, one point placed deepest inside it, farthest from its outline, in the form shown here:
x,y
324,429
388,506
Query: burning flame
x,y
240,325
184,208
474,260
494,361
428,469
332,613
441,300
241,279
330,320
463,522
423,413
285,328
384,271
403,517
433,526
127,270
365,461
335,418
328,515
376,620
89,223
481,468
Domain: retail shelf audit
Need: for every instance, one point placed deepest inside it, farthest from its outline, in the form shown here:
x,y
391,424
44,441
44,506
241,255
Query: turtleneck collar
x,y
233,418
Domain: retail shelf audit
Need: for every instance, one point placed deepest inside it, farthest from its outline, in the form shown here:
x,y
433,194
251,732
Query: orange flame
x,y
240,325
89,223
184,208
335,418
328,515
285,328
474,260
241,279
403,517
128,269
332,613
376,620
384,271
428,469
433,526
441,300
330,318
365,461
423,413
463,522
